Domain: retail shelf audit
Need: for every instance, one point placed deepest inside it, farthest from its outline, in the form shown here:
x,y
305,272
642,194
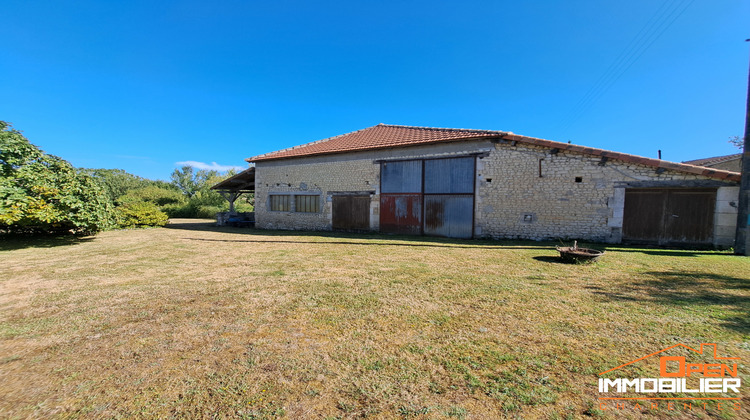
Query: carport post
x,y
231,197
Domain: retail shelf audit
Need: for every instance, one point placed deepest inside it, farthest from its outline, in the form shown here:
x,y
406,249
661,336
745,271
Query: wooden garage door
x,y
669,216
351,212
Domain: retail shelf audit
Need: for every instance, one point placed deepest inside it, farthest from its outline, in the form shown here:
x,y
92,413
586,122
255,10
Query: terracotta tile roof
x,y
384,136
625,157
713,160
380,136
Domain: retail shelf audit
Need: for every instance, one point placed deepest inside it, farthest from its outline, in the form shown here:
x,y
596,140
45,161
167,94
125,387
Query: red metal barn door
x,y
401,213
401,197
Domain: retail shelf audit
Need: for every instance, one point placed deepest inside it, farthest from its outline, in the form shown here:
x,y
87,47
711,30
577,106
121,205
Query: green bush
x,y
195,210
152,194
117,182
46,194
209,212
140,214
241,206
184,211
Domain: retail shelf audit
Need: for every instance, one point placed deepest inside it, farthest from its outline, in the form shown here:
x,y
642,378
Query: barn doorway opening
x,y
428,196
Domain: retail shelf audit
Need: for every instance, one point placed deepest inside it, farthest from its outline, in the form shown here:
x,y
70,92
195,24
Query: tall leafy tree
x,y
188,180
44,193
118,183
196,184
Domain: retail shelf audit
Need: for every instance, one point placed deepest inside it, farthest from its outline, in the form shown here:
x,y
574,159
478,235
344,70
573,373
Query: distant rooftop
x,y
713,160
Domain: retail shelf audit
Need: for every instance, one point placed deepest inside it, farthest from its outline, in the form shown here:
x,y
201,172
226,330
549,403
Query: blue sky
x,y
142,85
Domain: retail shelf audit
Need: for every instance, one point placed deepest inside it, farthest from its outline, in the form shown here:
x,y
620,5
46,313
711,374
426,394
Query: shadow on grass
x,y
550,259
197,224
13,242
351,238
411,242
668,252
209,225
691,289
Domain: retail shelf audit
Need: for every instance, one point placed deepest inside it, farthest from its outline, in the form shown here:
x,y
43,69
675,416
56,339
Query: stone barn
x,y
491,184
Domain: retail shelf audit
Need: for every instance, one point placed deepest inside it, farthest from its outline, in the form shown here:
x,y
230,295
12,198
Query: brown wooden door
x,y
643,218
690,216
669,216
351,212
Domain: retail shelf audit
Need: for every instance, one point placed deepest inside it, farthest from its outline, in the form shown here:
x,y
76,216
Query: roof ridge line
x,y
472,130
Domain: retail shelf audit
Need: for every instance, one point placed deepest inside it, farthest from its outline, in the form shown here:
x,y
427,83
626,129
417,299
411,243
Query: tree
x,y
737,142
152,194
44,193
196,186
190,181
118,183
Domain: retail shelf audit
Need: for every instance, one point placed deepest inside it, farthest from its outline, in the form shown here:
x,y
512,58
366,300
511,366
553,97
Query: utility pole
x,y
743,206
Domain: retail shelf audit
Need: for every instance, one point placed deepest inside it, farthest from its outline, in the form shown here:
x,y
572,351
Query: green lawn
x,y
196,321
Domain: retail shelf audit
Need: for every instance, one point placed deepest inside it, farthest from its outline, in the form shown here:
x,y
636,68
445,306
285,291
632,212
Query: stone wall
x,y
309,176
330,174
725,216
576,196
534,194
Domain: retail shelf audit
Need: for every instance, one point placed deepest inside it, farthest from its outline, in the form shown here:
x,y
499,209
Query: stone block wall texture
x,y
725,216
330,174
575,197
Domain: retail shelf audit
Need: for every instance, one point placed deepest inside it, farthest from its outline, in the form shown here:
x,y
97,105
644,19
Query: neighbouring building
x,y
490,184
727,163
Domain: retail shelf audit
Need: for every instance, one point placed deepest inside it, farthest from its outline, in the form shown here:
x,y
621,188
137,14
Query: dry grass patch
x,y
196,321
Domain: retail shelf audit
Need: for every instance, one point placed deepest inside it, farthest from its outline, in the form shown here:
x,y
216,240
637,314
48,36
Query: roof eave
x,y
260,158
628,158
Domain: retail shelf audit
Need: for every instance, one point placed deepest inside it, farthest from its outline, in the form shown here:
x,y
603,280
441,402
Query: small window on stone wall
x,y
579,179
307,203
278,202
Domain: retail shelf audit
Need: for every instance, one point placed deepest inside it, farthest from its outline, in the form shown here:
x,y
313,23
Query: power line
x,y
615,64
660,21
